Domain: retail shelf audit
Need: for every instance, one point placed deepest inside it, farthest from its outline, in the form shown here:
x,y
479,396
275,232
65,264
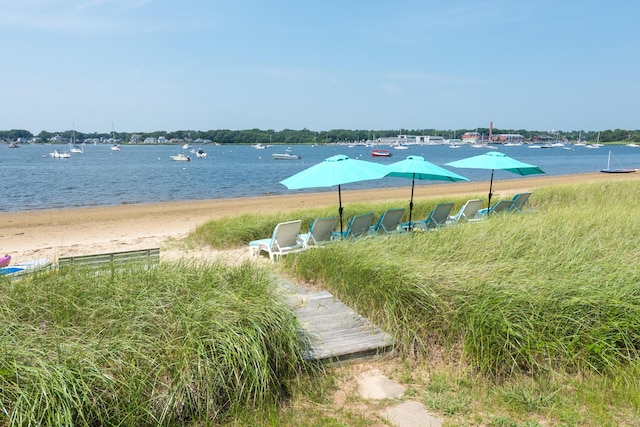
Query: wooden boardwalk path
x,y
336,333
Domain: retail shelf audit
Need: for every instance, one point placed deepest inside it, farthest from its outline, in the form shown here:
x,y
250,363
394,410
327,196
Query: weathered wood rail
x,y
149,256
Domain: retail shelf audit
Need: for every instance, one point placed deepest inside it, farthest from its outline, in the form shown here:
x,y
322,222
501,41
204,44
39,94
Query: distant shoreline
x,y
61,232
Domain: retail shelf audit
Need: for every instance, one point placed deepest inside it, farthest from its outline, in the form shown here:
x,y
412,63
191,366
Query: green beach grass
x,y
523,319
173,345
544,302
555,290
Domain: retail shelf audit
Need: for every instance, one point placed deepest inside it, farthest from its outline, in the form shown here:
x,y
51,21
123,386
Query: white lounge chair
x,y
467,212
389,221
319,232
283,241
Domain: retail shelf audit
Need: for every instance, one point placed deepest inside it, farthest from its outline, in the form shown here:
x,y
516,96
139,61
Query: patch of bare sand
x,y
54,233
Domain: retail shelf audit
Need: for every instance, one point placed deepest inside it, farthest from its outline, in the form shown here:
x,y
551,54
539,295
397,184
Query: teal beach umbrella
x,y
496,161
416,167
335,170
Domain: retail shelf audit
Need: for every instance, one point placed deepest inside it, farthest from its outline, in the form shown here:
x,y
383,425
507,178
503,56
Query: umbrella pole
x,y
340,209
413,181
490,193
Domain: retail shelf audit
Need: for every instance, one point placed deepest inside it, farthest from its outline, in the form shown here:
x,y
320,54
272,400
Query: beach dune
x,y
65,232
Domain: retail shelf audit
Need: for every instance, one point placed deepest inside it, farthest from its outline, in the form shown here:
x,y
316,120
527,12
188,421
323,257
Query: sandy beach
x,y
54,233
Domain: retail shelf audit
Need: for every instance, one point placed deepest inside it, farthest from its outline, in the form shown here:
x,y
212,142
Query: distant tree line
x,y
306,136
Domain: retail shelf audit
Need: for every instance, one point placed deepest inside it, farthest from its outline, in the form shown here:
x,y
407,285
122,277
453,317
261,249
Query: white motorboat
x,y
115,147
201,154
181,158
287,155
60,154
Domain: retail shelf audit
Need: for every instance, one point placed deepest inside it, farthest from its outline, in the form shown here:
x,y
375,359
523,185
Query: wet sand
x,y
54,233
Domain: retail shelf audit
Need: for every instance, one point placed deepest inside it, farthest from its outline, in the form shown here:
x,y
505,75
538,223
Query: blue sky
x,y
166,65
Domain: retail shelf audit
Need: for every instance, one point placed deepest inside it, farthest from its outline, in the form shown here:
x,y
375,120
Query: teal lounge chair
x,y
467,212
437,218
284,240
319,232
359,226
389,221
521,202
499,206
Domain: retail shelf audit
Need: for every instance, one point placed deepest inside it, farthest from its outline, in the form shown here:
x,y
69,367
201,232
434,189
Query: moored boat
x,y
285,156
380,153
60,154
180,158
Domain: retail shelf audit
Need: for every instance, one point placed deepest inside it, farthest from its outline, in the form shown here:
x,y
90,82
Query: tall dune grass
x,y
177,344
553,290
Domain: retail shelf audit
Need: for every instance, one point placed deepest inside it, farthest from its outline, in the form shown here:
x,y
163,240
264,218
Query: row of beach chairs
x,y
287,236
470,211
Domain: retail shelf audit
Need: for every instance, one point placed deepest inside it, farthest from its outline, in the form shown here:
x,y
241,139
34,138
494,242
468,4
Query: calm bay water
x,y
145,174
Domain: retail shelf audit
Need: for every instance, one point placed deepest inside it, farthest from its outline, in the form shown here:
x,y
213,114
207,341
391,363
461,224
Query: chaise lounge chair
x,y
359,226
319,232
389,221
499,206
521,202
437,218
467,212
283,241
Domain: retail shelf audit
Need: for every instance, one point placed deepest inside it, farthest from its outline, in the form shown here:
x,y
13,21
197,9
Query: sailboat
x,y
595,144
73,146
115,146
616,170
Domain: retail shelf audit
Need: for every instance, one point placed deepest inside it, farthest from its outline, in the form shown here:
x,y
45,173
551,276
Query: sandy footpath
x,y
54,233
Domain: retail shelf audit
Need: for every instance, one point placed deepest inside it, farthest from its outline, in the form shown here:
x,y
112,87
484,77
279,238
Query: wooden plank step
x,y
336,333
